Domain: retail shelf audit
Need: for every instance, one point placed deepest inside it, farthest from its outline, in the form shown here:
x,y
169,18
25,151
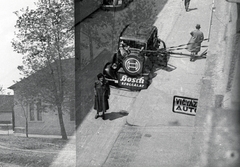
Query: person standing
x,y
194,44
186,4
102,93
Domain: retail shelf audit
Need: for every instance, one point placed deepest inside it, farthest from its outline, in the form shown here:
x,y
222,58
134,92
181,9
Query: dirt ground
x,y
18,151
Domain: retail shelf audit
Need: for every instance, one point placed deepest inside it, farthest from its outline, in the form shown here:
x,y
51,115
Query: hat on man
x,y
198,26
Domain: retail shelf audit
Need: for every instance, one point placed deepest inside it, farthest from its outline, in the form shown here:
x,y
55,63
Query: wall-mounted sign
x,y
185,105
133,83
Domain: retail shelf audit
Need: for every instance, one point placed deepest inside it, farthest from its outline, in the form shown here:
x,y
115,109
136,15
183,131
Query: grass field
x,y
16,151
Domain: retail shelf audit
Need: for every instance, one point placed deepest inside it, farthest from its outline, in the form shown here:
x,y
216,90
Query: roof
x,y
6,103
68,67
141,33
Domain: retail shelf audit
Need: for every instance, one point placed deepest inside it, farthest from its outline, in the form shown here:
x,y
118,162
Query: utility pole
x,y
210,24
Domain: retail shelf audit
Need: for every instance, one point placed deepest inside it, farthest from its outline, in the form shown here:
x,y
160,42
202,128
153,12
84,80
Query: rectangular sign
x,y
132,83
185,105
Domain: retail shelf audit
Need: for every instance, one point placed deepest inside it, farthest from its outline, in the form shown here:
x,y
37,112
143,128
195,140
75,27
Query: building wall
x,y
5,116
49,124
217,138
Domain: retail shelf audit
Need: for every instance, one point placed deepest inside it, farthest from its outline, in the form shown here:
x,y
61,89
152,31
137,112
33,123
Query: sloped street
x,y
141,129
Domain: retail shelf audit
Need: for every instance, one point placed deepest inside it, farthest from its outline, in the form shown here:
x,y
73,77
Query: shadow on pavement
x,y
170,68
190,9
96,33
85,79
199,58
115,115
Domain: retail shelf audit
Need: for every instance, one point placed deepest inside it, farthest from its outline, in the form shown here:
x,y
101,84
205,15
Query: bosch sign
x,y
132,65
134,83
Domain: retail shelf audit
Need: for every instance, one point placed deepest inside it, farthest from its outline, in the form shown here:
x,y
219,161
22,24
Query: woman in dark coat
x,y
102,92
194,44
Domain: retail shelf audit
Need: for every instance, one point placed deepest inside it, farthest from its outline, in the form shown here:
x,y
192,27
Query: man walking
x,y
186,4
194,44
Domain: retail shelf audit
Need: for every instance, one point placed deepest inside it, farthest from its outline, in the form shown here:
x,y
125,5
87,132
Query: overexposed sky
x,y
9,60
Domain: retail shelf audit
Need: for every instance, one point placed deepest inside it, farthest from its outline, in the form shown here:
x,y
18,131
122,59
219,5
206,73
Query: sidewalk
x,y
153,107
95,137
141,129
219,114
166,136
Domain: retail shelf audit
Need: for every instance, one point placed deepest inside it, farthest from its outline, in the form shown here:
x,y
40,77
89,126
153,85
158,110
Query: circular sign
x,y
132,65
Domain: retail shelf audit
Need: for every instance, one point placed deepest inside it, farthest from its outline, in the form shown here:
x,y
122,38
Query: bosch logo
x,y
132,65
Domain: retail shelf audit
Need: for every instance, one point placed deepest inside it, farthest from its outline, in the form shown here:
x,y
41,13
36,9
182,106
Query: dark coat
x,y
194,44
102,92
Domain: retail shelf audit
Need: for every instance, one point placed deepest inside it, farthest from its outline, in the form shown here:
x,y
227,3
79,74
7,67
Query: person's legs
x,y
187,5
104,110
97,115
103,115
192,56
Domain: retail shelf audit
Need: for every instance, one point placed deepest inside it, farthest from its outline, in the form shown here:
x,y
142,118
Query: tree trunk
x,y
26,127
62,127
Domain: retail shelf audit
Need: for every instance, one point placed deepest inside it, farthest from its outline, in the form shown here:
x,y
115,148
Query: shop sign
x,y
135,83
185,105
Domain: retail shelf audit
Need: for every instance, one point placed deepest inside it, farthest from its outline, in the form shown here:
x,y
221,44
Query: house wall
x,y
48,126
5,116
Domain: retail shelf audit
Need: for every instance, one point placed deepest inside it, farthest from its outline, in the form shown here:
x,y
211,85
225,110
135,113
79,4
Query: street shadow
x,y
169,68
85,79
199,58
97,29
190,9
152,75
115,115
203,55
174,123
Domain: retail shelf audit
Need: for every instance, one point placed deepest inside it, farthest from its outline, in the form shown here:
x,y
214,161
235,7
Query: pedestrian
x,y
186,4
194,44
102,93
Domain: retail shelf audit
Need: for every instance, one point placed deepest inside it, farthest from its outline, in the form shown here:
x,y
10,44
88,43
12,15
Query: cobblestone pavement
x,y
95,137
125,147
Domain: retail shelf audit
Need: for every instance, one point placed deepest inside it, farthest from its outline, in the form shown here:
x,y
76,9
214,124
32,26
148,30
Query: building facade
x,y
36,112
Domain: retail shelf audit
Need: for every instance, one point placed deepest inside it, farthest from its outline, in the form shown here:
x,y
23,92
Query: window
x,y
134,44
31,112
39,110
